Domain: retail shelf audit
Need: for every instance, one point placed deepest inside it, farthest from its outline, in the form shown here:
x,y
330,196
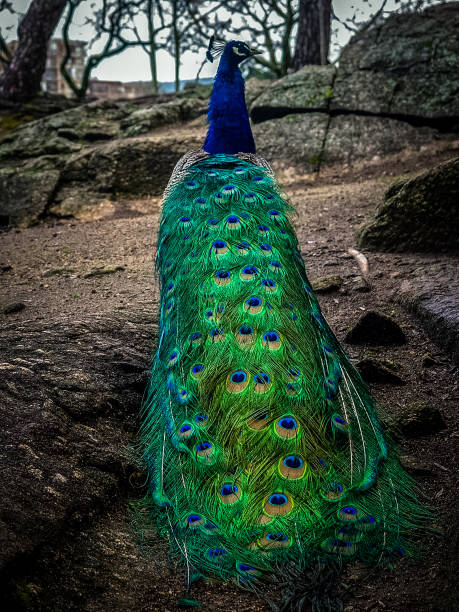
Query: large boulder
x,y
26,195
64,133
310,88
352,137
404,65
128,168
420,214
293,139
396,85
148,119
69,161
70,393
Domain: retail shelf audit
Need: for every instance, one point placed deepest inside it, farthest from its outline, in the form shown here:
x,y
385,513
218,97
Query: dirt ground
x,y
50,269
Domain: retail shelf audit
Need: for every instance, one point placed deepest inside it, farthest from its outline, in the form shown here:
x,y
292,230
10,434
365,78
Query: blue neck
x,y
229,130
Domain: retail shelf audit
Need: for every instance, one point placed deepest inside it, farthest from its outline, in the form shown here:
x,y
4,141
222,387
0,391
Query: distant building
x,y
106,90
53,81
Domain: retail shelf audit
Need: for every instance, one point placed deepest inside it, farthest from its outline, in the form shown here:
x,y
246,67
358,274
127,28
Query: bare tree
x,y
175,25
21,77
193,22
114,22
269,24
153,8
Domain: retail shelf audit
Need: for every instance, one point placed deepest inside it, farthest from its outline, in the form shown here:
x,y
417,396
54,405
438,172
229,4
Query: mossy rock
x,y
201,91
420,214
404,65
309,88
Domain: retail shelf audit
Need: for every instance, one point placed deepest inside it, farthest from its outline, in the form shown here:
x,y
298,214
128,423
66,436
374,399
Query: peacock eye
x,y
237,52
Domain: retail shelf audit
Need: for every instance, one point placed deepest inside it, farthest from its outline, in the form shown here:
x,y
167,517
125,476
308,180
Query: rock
x,y
192,89
103,271
253,88
395,85
375,371
404,65
58,272
24,196
44,104
418,419
14,307
437,309
148,119
430,203
360,284
353,137
122,168
327,284
415,467
376,329
296,139
428,361
66,132
68,414
310,88
314,139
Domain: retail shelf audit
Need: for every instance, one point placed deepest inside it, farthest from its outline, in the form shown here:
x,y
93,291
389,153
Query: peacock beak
x,y
255,52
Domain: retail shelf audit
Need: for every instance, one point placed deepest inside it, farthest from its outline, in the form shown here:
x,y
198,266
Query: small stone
x,y
57,271
374,371
428,361
415,467
103,271
361,285
327,284
418,419
376,329
13,307
6,268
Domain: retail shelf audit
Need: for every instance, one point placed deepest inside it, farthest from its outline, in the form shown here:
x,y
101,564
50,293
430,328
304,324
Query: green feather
x,y
260,438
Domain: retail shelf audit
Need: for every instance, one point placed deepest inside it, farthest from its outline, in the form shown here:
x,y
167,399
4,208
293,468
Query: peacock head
x,y
233,51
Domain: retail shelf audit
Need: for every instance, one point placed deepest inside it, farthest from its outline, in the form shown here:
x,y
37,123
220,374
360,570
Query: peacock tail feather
x,y
260,438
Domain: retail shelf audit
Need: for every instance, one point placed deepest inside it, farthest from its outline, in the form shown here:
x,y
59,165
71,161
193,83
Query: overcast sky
x,y
133,64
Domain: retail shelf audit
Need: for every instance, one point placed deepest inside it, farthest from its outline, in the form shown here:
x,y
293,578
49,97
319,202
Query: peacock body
x,y
260,438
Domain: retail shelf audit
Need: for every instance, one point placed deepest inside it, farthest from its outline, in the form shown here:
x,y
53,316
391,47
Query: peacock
x,y
260,439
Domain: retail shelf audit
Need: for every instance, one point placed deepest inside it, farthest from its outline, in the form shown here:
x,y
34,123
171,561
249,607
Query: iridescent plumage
x,y
260,438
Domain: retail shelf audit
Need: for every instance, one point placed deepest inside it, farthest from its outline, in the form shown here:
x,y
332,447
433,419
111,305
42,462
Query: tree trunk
x,y
152,50
176,36
313,38
21,79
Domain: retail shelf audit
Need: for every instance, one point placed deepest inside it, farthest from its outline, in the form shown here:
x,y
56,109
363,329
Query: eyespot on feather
x,y
286,427
237,381
253,305
262,382
292,467
278,504
275,539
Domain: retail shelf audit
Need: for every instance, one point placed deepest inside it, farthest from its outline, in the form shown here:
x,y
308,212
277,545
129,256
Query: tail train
x,y
261,439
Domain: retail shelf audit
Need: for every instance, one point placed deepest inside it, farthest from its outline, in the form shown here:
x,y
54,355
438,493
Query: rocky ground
x,y
79,321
